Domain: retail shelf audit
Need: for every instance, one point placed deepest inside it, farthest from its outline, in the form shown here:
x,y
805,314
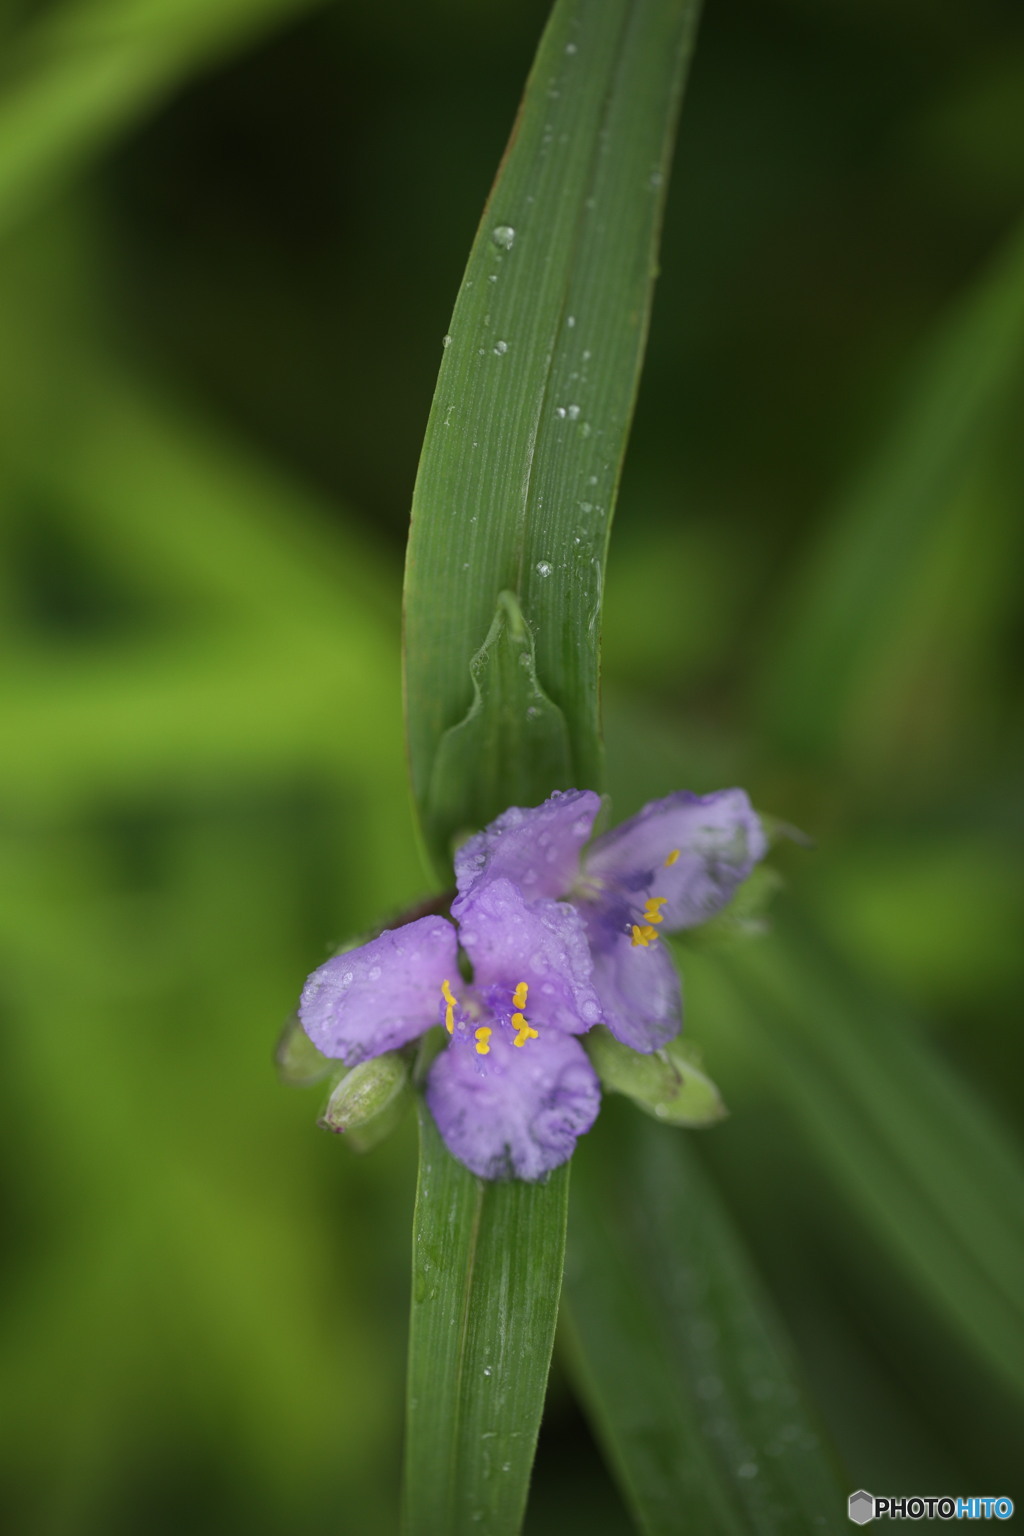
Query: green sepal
x,y
512,747
299,1064
368,1102
669,1084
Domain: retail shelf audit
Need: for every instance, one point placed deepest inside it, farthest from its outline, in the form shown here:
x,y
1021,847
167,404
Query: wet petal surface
x,y
382,995
542,943
536,847
514,1113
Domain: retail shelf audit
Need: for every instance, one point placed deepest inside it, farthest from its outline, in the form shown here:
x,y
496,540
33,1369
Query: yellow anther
x,y
524,1030
672,858
519,995
483,1034
643,936
449,1012
652,911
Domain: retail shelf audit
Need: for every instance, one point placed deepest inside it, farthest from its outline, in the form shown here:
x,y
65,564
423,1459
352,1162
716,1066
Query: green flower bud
x,y
298,1062
667,1084
369,1101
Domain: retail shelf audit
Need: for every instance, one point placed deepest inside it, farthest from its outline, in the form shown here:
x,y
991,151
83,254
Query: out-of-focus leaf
x,y
533,403
852,590
487,1272
512,738
91,67
914,1155
677,1352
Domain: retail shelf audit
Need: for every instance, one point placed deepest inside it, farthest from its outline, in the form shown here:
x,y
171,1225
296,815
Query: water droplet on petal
x,y
503,236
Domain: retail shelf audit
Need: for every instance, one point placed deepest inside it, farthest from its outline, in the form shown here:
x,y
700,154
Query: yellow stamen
x,y
483,1034
652,911
449,1012
672,858
643,936
519,995
525,1031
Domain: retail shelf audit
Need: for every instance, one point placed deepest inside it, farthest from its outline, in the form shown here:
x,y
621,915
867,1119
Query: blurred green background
x,y
230,238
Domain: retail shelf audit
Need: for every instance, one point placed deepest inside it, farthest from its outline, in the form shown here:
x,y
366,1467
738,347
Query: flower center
x,y
523,1029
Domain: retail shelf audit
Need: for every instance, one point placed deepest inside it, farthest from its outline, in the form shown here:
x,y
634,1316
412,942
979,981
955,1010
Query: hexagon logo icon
x,y
861,1507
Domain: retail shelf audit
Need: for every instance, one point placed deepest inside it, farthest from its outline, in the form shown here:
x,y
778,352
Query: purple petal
x,y
543,943
537,847
516,1112
640,993
715,839
380,996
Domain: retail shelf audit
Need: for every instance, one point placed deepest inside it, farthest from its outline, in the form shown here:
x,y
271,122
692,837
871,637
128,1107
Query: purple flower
x,y
514,1089
673,865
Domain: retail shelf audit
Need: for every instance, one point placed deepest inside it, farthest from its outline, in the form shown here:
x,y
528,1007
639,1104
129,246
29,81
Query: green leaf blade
x,y
906,1145
533,403
487,1272
677,1352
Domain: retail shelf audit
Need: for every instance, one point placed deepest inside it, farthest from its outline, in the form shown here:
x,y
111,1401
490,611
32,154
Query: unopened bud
x,y
298,1062
369,1101
667,1084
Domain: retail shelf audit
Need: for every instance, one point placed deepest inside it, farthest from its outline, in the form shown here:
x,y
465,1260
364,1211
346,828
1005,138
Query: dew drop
x,y
503,236
560,412
573,412
544,568
500,348
446,342
571,321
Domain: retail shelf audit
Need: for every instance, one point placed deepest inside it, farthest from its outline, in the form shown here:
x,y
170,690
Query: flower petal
x,y
693,850
639,991
543,943
382,995
514,1113
537,847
